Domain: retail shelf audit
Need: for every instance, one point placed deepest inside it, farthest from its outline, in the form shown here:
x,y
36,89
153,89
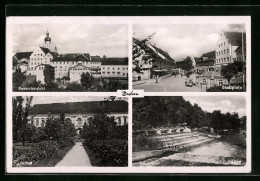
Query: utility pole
x,y
243,71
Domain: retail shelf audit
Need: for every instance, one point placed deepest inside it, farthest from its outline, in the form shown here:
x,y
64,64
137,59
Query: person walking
x,y
156,77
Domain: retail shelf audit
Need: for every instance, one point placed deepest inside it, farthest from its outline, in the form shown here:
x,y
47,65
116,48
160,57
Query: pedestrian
x,y
157,77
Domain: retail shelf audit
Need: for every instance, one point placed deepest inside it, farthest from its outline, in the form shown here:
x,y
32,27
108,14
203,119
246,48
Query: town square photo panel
x,y
190,57
150,94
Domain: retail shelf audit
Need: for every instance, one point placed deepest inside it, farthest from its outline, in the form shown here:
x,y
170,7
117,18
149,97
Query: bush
x,y
142,143
112,152
27,156
74,86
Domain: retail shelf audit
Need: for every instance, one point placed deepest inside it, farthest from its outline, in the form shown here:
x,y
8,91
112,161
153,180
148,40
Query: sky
x,y
224,103
182,40
62,99
96,39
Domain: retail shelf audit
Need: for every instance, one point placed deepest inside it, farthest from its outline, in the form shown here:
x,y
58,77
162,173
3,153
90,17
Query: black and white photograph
x,y
189,57
128,94
65,57
191,131
69,131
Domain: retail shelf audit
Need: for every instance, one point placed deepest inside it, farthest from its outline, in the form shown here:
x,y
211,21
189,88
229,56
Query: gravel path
x,y
77,156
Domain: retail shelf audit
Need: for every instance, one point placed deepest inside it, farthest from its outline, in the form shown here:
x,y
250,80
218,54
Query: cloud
x,y
96,39
182,40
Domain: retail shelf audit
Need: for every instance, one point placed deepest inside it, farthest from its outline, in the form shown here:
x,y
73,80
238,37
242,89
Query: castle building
x,y
80,113
70,65
226,47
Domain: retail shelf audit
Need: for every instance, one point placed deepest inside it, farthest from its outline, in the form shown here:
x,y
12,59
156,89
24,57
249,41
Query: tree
x,y
86,80
20,118
229,71
18,78
74,86
243,122
49,75
59,128
187,65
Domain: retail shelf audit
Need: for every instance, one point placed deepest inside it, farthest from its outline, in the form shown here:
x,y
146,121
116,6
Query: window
x,y
220,82
221,52
123,68
107,68
103,72
113,68
227,50
123,73
119,121
204,81
108,72
126,68
103,68
43,123
224,59
227,59
118,68
125,121
224,51
118,72
37,122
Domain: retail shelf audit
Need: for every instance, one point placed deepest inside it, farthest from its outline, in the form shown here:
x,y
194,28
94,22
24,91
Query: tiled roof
x,y
164,53
235,38
239,47
95,59
114,61
45,50
119,106
21,55
149,50
72,57
211,54
46,65
208,62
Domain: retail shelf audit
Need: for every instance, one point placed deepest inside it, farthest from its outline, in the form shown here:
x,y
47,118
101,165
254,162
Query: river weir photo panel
x,y
181,131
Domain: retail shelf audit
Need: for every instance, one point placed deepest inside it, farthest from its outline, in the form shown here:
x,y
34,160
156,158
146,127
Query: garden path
x,y
77,156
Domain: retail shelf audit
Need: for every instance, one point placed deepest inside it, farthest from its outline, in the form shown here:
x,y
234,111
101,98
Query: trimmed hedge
x,y
112,152
29,155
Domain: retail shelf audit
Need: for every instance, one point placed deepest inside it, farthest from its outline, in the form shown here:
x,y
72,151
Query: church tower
x,y
47,40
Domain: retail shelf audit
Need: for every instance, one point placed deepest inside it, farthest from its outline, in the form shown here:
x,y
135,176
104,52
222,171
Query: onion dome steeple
x,y
47,40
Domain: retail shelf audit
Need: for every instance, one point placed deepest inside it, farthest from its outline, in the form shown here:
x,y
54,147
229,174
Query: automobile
x,y
189,83
175,71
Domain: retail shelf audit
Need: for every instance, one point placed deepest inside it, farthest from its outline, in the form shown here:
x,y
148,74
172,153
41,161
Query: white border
x,y
128,21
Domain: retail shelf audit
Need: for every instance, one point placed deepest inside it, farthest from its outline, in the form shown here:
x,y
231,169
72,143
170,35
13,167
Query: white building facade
x,y
71,65
226,46
79,113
